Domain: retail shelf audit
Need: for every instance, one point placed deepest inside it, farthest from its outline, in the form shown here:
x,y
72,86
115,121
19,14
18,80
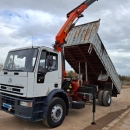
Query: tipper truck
x,y
33,82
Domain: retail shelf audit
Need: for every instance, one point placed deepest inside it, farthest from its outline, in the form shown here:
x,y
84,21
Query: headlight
x,y
26,104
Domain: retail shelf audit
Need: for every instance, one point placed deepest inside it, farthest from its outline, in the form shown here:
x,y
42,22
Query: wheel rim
x,y
109,99
57,112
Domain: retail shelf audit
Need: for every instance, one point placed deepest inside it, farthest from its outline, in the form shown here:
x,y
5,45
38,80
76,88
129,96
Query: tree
x,y
71,74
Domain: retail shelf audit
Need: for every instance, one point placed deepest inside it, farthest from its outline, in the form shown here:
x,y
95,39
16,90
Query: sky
x,y
42,19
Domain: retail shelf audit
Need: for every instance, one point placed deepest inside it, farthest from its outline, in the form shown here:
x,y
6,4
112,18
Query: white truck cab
x,y
21,70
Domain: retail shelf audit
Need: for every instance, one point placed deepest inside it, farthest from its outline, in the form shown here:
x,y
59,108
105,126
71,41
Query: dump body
x,y
84,45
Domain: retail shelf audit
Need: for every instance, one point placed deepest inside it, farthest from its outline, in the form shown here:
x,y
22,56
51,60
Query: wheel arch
x,y
65,98
57,93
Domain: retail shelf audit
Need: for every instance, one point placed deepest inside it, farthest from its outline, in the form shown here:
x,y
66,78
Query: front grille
x,y
11,92
11,89
11,86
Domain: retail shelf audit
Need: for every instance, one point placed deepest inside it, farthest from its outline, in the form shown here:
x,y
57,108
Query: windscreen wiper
x,y
12,70
18,70
6,69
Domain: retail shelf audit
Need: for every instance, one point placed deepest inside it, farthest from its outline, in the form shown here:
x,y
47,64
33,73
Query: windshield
x,y
21,60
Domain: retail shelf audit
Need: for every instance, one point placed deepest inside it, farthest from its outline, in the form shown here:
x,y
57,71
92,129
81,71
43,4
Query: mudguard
x,y
49,98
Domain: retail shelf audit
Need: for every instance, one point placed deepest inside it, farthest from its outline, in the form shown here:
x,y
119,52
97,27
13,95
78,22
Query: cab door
x,y
45,83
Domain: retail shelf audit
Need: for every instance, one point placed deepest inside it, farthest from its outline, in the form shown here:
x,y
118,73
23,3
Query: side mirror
x,y
49,60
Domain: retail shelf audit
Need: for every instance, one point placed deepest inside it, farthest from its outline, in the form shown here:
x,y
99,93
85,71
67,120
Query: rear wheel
x,y
100,97
56,113
107,98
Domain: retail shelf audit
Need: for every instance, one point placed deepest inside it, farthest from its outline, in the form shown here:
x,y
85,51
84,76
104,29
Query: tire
x,y
56,113
107,98
100,97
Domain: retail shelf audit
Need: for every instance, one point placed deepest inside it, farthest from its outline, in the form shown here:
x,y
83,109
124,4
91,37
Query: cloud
x,y
42,19
121,61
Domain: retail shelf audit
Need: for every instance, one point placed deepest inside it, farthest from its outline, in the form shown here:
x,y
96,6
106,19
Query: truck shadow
x,y
30,125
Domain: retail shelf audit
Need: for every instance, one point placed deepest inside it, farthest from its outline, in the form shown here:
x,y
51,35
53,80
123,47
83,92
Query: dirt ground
x,y
77,119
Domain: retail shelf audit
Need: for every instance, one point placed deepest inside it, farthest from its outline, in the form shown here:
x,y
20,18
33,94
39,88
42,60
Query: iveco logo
x,y
10,80
9,89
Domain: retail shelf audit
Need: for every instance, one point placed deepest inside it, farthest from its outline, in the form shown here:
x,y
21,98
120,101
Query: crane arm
x,y
72,15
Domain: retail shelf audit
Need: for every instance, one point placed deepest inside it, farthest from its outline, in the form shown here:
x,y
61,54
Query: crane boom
x,y
72,15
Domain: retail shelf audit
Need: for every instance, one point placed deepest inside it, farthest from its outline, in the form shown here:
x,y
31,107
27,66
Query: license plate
x,y
7,106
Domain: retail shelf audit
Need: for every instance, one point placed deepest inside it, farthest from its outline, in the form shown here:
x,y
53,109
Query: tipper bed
x,y
85,46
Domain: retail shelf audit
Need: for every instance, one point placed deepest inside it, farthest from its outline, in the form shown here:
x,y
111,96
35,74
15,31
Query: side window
x,y
54,67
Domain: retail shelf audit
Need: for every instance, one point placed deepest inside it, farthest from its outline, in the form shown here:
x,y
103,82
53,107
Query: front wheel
x,y
56,113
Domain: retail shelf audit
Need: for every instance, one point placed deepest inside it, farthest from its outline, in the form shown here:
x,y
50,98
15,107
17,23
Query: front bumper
x,y
32,114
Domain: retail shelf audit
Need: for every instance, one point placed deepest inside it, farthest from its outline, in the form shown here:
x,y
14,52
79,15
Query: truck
x,y
33,82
